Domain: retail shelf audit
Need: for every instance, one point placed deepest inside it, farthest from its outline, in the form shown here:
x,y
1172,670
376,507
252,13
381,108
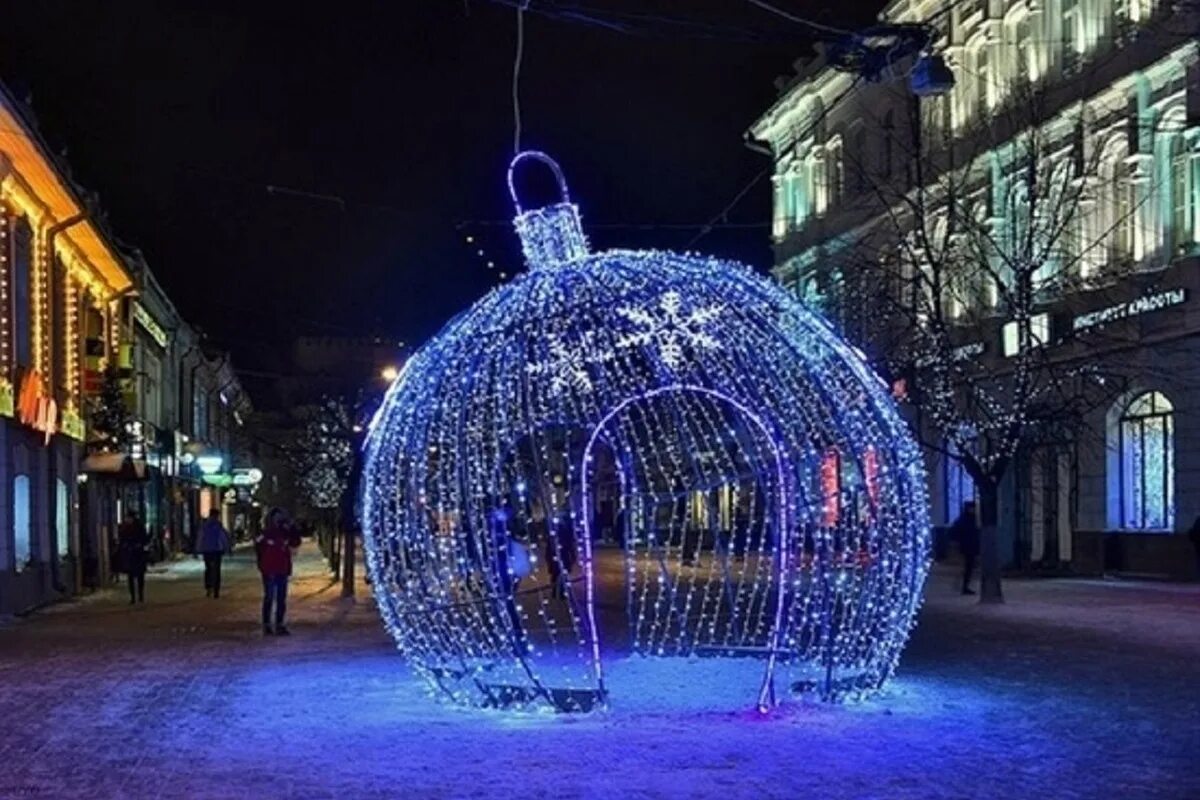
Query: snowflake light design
x,y
671,328
565,365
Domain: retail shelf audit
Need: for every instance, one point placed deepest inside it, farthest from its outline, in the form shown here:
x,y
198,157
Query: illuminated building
x,y
60,279
1117,89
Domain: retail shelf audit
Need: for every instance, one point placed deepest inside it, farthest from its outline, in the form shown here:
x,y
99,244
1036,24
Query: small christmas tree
x,y
110,416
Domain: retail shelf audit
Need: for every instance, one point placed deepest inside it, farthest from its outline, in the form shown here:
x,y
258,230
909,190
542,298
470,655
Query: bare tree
x,y
959,255
324,461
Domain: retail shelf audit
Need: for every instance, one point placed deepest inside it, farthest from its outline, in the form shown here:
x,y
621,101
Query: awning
x,y
117,465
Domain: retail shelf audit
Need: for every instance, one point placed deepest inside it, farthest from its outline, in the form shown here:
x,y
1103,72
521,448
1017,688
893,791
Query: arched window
x,y
1073,41
22,523
834,173
1147,463
983,87
1018,261
1117,217
1179,164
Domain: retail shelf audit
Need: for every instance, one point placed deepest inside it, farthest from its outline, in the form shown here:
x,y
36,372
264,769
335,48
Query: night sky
x,y
181,115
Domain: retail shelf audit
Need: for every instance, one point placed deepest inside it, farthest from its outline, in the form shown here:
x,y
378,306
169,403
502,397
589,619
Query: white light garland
x,y
767,498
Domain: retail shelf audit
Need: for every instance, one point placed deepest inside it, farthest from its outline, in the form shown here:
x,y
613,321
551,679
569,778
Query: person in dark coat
x,y
132,542
274,548
512,563
561,555
213,543
965,531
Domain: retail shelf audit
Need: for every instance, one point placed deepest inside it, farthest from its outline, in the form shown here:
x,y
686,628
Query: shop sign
x,y
8,399
247,477
35,408
1132,308
72,424
150,325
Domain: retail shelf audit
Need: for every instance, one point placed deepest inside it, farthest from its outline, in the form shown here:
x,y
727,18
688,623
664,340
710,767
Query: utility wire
x,y
817,26
721,217
516,79
646,25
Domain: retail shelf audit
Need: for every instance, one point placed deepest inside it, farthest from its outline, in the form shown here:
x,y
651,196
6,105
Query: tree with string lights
x,y
110,418
948,281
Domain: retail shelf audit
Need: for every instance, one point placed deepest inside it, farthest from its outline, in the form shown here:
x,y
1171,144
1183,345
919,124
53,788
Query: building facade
x,y
61,280
1117,92
110,403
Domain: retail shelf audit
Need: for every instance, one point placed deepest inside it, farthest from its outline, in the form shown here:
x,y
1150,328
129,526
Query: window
x,y
1147,464
21,299
1072,21
62,527
200,412
1181,227
779,226
1122,211
787,207
982,81
834,173
818,171
1039,334
22,518
150,379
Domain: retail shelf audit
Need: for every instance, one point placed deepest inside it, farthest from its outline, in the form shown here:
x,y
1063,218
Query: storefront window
x,y
1147,464
61,519
22,532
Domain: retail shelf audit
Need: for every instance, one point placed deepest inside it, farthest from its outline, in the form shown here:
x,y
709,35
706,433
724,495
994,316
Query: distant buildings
x,y
1118,84
88,337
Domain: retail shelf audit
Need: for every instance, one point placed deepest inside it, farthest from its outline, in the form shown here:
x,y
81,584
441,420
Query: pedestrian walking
x,y
131,546
274,548
512,563
213,543
561,556
965,531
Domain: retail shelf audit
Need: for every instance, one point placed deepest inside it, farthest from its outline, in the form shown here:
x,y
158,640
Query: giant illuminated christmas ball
x,y
634,454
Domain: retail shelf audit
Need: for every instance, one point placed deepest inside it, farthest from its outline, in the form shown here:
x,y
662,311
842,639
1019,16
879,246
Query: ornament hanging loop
x,y
536,155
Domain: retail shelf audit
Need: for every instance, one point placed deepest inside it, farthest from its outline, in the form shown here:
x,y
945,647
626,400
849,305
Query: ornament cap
x,y
551,235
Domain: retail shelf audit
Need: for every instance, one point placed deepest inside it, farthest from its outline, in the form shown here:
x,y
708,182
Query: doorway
x,y
703,531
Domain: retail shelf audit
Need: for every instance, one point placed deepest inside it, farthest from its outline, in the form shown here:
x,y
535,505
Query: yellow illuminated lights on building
x,y
32,188
5,212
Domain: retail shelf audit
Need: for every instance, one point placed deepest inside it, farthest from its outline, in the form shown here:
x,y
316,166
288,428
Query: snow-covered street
x,y
1071,690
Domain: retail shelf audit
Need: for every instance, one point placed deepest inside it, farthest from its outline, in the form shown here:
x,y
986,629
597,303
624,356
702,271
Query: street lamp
x,y
389,373
876,52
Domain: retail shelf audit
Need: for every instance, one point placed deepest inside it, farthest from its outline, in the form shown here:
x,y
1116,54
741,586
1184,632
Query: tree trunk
x,y
348,564
990,590
348,521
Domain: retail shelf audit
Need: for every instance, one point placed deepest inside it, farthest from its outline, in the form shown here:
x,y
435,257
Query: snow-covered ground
x,y
1071,690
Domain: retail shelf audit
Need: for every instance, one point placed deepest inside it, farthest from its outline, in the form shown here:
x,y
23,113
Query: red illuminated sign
x,y
35,408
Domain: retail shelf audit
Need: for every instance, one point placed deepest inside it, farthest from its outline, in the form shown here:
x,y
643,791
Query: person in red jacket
x,y
274,547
